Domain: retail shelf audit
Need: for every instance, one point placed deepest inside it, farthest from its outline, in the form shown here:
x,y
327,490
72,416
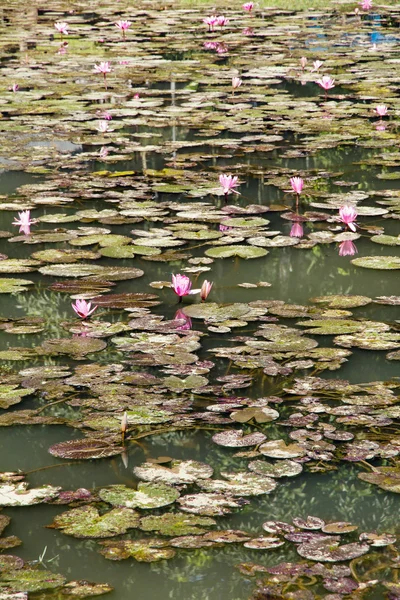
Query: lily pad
x,y
329,550
175,524
147,495
86,522
240,251
188,471
234,438
383,263
86,449
283,468
146,550
210,505
18,494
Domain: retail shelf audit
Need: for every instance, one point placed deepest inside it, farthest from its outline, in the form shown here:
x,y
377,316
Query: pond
x,y
186,442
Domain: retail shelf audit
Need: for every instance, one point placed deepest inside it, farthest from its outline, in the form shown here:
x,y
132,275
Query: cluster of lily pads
x,y
122,179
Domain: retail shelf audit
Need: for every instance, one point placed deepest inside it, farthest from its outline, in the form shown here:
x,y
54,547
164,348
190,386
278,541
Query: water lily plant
x,y
24,221
103,68
228,184
83,309
123,26
326,83
62,28
348,215
205,289
181,285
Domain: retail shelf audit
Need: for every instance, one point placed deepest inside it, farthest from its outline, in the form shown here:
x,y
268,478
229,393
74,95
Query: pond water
x,y
261,453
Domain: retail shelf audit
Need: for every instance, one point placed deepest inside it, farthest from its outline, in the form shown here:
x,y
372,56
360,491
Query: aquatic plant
x,y
348,215
205,289
123,26
326,83
24,221
103,68
83,308
181,284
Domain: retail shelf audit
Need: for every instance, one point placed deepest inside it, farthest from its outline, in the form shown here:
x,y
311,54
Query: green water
x,y
198,131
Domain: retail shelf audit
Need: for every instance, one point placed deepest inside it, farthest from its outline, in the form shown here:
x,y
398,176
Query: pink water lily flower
x,y
228,184
297,230
181,285
123,26
62,28
222,21
205,289
347,248
14,87
297,184
211,22
326,83
248,6
103,68
236,83
316,65
348,214
381,110
303,61
103,152
103,126
366,4
24,221
83,309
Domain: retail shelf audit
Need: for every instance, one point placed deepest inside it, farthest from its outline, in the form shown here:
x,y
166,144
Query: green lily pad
x,y
146,550
31,579
246,222
79,346
86,522
11,394
386,240
216,312
240,251
17,265
384,263
55,255
342,301
147,495
175,524
14,286
283,468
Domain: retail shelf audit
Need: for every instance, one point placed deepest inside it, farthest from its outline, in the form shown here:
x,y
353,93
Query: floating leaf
x,y
146,550
86,449
147,495
86,522
210,505
328,550
234,438
283,468
175,524
240,251
188,471
384,263
18,495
